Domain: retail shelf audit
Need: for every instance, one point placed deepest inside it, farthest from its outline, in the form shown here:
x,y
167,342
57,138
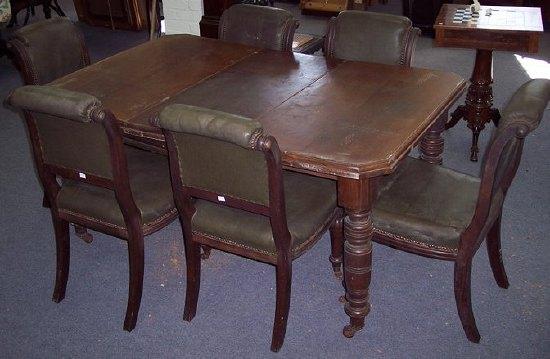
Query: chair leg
x,y
462,284
193,259
284,279
206,252
45,202
57,8
135,288
337,245
83,234
62,245
495,255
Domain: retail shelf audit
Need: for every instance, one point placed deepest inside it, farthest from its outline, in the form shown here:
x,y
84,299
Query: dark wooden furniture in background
x,y
334,119
422,13
520,31
307,44
116,14
29,6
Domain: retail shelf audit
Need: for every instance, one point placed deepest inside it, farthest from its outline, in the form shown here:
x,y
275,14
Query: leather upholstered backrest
x,y
216,152
47,50
371,37
259,26
521,116
67,135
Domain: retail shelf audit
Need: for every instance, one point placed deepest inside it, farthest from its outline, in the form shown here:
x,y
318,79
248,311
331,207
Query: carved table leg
x,y
431,144
478,110
357,196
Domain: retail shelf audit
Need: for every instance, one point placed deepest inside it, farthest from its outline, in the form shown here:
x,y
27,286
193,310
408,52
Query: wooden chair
x,y
45,51
105,186
371,37
259,26
233,195
439,213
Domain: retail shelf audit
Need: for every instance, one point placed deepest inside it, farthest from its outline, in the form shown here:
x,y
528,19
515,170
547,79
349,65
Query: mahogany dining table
x,y
349,121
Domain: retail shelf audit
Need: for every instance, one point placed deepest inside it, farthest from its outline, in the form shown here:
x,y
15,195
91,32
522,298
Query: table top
x,y
498,18
330,118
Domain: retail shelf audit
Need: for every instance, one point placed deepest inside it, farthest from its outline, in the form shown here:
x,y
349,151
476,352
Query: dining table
x,y
352,122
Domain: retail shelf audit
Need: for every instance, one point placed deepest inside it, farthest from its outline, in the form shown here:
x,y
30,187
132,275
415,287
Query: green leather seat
x,y
372,37
48,49
259,26
310,201
430,205
151,189
233,195
439,213
105,185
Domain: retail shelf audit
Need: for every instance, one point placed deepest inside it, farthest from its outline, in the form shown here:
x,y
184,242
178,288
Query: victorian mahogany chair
x,y
233,195
439,213
105,186
258,26
371,37
45,51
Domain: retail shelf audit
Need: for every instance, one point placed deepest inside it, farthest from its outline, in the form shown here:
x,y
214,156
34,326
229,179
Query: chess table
x,y
500,28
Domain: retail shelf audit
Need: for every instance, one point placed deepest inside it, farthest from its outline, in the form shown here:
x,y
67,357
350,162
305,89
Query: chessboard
x,y
465,16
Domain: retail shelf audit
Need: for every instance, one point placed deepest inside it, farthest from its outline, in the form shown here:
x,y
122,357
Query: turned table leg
x,y
431,144
357,196
478,109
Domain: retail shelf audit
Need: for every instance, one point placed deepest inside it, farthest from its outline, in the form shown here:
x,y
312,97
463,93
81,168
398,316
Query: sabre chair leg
x,y
62,245
495,254
462,288
284,280
205,252
337,245
193,259
135,289
83,233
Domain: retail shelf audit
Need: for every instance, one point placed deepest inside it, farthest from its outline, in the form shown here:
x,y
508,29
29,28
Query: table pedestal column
x,y
478,109
357,197
432,144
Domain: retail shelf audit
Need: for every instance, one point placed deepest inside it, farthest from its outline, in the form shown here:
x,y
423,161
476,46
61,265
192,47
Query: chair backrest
x,y
225,159
258,26
47,50
521,116
72,137
371,37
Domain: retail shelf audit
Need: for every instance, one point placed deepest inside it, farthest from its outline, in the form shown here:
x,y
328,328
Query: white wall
x,y
182,16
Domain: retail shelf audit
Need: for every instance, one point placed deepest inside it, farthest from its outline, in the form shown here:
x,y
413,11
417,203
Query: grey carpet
x,y
413,312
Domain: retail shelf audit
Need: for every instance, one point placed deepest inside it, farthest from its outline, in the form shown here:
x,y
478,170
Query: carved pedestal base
x,y
478,109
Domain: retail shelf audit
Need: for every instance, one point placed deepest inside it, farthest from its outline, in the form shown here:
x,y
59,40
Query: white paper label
x,y
221,199
81,175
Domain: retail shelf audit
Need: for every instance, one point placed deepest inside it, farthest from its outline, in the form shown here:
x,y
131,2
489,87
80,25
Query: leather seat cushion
x,y
151,187
310,201
427,204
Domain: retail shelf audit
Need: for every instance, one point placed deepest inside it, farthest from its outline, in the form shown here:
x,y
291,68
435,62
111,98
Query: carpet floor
x,y
413,311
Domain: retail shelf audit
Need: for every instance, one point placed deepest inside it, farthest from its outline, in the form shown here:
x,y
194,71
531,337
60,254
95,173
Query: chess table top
x,y
504,28
497,18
